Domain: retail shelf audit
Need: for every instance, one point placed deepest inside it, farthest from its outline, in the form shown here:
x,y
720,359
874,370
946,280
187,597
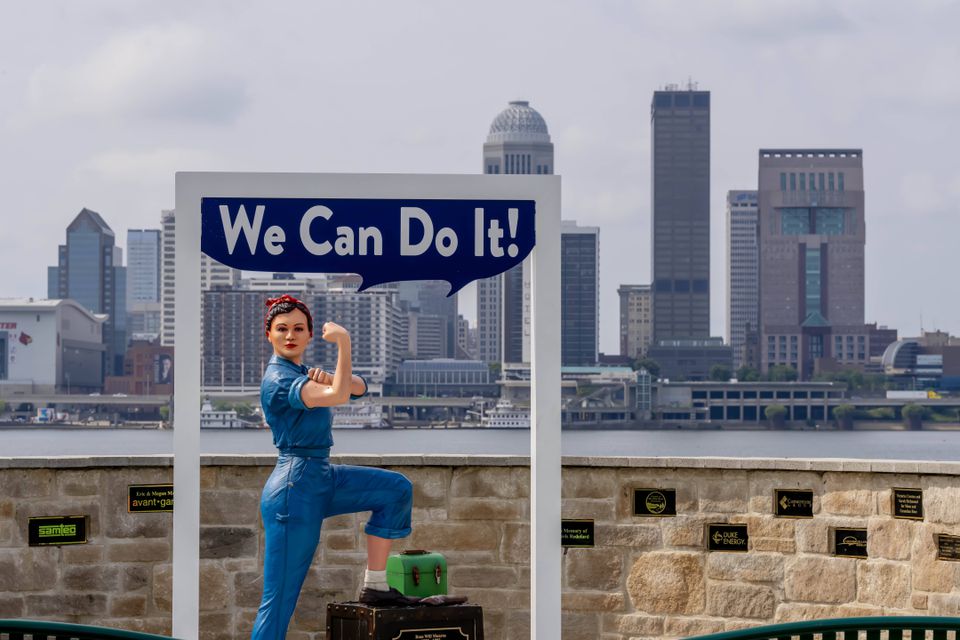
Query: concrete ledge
x,y
911,467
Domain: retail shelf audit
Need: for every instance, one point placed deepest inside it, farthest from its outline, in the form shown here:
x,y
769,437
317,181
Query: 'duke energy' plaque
x,y
655,503
850,543
792,503
908,503
56,530
727,537
948,547
576,533
150,498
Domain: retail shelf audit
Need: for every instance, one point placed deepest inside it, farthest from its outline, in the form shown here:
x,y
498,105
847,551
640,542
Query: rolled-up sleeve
x,y
366,388
293,396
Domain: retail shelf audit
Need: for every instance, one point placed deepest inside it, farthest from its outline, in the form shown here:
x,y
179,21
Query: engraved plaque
x,y
948,547
908,503
56,530
655,503
150,498
576,533
727,537
850,543
792,503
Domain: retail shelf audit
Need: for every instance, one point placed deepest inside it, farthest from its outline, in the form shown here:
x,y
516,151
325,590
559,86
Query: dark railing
x,y
43,629
874,628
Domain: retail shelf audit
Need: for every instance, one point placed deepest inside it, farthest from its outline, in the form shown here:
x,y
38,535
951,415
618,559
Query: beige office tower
x,y
636,319
213,275
518,143
812,236
743,270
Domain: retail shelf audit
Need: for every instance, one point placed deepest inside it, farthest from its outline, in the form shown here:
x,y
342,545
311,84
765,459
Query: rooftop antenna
x,y
691,85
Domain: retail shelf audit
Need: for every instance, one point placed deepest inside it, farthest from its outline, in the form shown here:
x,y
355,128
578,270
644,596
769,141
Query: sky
x,y
104,100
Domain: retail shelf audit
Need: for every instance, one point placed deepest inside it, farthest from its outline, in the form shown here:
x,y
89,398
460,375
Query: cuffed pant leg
x,y
387,494
291,519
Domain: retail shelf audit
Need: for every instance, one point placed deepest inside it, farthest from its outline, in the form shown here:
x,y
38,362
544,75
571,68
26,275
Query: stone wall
x,y
646,577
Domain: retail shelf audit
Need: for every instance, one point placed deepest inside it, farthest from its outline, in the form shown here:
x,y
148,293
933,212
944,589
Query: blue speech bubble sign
x,y
382,240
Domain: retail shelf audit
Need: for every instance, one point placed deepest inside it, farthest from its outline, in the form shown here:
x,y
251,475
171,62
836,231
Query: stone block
x,y
729,600
227,542
101,578
598,510
139,551
209,477
463,577
634,624
334,579
162,587
579,626
889,538
686,531
919,601
344,521
499,599
31,569
584,482
726,492
487,509
250,478
814,536
817,579
689,627
339,540
84,482
440,536
6,509
768,526
220,507
516,625
430,486
940,604
117,522
515,545
941,500
219,626
135,577
490,482
848,494
884,584
127,606
778,545
82,554
593,569
638,537
11,606
92,605
667,582
593,601
247,588
214,586
752,567
27,483
800,612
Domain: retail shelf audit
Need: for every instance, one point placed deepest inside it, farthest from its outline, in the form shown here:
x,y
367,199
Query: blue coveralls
x,y
305,488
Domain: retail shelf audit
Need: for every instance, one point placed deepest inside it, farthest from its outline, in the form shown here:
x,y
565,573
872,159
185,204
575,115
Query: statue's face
x,y
289,335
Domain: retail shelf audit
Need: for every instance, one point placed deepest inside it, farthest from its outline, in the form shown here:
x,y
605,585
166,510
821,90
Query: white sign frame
x,y
545,549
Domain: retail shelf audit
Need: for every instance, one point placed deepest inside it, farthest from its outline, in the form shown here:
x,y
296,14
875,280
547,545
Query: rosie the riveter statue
x,y
305,488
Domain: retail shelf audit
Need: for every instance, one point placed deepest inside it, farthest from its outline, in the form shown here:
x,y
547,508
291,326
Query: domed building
x,y
518,143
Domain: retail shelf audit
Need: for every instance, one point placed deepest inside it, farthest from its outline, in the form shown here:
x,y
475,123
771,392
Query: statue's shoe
x,y
439,601
389,598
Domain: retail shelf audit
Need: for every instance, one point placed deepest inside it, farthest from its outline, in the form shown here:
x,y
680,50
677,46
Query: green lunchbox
x,y
417,573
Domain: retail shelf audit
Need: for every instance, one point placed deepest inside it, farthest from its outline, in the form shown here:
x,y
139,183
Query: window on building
x,y
783,181
793,181
803,182
813,182
830,178
822,183
840,181
794,221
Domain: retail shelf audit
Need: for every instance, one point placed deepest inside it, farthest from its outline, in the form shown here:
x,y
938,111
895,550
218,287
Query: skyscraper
x,y
680,220
143,281
579,294
743,277
213,275
90,270
636,319
432,318
518,143
812,237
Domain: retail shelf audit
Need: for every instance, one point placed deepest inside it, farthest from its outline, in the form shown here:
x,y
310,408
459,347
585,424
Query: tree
x,y
843,414
913,414
782,373
720,373
747,374
651,365
164,413
775,414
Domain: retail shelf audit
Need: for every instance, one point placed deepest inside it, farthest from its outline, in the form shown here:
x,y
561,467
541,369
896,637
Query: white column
x,y
186,413
545,550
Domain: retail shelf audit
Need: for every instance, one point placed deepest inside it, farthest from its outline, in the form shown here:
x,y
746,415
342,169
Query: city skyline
x,y
109,138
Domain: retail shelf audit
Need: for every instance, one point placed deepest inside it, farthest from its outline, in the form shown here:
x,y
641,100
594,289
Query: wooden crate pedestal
x,y
354,621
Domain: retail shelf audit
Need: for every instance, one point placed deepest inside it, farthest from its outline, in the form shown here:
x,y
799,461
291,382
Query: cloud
x,y
176,73
151,166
